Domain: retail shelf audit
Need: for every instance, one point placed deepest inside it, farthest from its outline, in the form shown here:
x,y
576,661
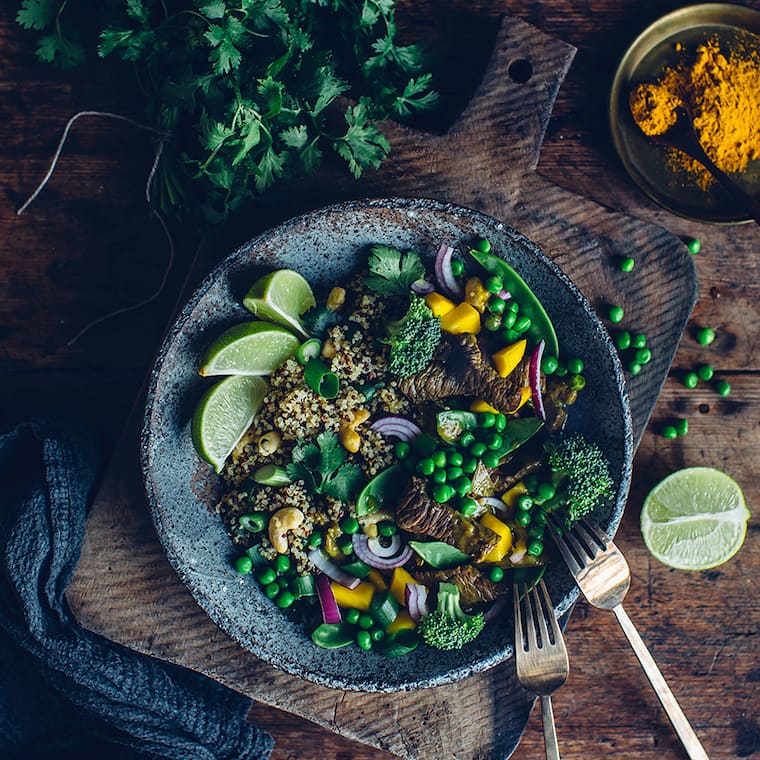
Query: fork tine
x,y
519,634
550,612
571,540
530,624
559,539
540,617
591,544
598,533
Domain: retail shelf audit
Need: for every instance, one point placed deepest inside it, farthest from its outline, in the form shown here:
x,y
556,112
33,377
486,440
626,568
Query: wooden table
x,y
88,245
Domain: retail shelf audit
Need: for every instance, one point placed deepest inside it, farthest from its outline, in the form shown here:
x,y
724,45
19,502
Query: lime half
x,y
223,415
253,348
695,519
281,297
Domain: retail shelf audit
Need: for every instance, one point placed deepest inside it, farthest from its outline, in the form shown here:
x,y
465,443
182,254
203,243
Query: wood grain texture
x,y
88,245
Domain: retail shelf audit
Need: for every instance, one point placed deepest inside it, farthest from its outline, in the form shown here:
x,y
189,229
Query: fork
x,y
603,576
540,654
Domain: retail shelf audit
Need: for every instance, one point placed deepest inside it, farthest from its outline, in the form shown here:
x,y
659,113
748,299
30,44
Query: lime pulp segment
x,y
281,297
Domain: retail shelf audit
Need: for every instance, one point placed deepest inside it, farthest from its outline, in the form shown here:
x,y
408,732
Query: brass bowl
x,y
651,53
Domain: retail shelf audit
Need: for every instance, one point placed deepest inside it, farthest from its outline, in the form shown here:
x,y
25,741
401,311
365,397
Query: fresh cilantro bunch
x,y
323,467
246,91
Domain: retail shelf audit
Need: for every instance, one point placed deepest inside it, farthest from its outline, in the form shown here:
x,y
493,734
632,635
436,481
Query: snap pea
x,y
383,489
516,433
400,643
438,554
333,635
541,327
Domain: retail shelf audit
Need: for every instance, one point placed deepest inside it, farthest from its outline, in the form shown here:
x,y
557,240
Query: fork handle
x,y
680,722
550,732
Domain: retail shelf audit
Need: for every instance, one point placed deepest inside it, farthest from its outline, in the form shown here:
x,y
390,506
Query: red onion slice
x,y
443,274
330,609
492,501
415,596
395,424
365,554
534,378
322,562
505,295
391,550
422,287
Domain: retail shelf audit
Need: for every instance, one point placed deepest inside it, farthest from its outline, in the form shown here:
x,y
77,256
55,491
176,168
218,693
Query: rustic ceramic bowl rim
x,y
195,583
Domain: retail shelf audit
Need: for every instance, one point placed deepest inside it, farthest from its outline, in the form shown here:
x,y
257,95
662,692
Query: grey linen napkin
x,y
64,691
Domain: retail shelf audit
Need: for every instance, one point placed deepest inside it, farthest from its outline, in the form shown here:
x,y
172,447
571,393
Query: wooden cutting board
x,y
124,588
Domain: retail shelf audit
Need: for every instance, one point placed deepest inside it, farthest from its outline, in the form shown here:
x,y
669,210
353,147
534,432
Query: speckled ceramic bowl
x,y
326,246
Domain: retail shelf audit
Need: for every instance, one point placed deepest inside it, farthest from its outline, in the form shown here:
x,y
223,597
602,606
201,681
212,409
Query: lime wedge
x,y
695,519
281,297
223,415
253,348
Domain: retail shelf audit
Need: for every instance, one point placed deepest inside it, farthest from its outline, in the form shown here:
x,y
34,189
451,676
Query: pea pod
x,y
383,489
438,554
541,327
333,635
400,643
516,433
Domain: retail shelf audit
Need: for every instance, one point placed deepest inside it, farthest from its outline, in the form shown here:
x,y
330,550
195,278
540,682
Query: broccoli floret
x,y
581,474
413,339
448,626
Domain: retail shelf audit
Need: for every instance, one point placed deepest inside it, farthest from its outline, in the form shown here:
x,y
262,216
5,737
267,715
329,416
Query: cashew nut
x,y
283,520
336,298
347,431
269,442
329,349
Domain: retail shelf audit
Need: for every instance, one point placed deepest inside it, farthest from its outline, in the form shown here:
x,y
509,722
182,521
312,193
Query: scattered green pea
x,y
626,264
272,590
366,621
469,465
496,574
468,506
463,485
546,491
494,284
577,382
439,476
682,426
426,466
457,267
352,616
266,575
535,547
282,563
486,419
524,502
284,599
723,387
364,640
244,565
531,481
386,528
500,423
401,450
492,322
705,372
539,517
522,325
639,340
453,473
634,368
454,458
669,432
254,523
510,336
513,306
443,492
467,439
478,448
623,340
346,545
523,518
484,245
349,525
439,458
377,634
508,320
644,356
494,441
616,314
690,379
694,245
560,371
575,365
705,336
536,531
549,365
490,459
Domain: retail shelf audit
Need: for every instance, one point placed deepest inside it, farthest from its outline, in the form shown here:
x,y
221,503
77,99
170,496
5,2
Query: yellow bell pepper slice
x,y
358,597
399,579
504,532
509,357
439,304
510,497
463,318
377,580
403,621
524,396
482,406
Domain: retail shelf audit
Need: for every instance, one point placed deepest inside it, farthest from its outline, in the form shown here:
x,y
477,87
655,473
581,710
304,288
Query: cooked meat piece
x,y
474,587
460,369
559,395
418,513
504,481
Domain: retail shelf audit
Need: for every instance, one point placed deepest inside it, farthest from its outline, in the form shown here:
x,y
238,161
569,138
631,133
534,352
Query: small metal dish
x,y
651,53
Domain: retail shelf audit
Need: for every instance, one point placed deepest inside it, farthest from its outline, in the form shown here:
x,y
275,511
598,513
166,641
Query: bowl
x,y
326,246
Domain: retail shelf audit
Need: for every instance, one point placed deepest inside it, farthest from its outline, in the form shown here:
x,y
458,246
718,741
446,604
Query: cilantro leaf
x,y
363,146
37,14
393,272
55,48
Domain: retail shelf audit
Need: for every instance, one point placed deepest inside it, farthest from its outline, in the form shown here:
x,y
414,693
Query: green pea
x,y
508,320
484,245
616,314
439,458
494,284
723,387
623,340
560,371
386,528
694,245
536,531
469,465
315,540
669,432
426,466
705,336
496,305
634,368
510,336
254,523
682,426
282,563
282,582
352,616
366,621
546,491
549,365
467,439
522,325
364,640
496,574
439,476
490,459
643,356
525,502
266,575
478,449
575,366
577,382
346,545
513,306
453,473
639,340
463,485
627,264
244,565
531,481
455,459
523,518
535,547
500,423
284,599
539,517
443,492
492,322
377,634
457,267
705,372
401,450
494,441
486,419
272,590
690,379
468,506
349,525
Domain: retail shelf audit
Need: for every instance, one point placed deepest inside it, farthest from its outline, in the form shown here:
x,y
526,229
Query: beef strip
x,y
474,587
418,513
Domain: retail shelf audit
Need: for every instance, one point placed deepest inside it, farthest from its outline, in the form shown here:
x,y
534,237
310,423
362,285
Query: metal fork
x,y
540,654
603,576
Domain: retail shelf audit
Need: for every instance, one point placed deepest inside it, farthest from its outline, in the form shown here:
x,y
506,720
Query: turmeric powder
x,y
721,92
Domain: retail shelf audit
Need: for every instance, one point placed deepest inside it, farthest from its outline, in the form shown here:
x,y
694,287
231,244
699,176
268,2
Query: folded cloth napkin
x,y
64,691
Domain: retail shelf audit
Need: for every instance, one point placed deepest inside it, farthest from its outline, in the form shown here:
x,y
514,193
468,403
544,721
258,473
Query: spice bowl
x,y
665,44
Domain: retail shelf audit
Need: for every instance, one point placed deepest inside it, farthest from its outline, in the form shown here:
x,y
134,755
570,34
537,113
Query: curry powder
x,y
721,92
